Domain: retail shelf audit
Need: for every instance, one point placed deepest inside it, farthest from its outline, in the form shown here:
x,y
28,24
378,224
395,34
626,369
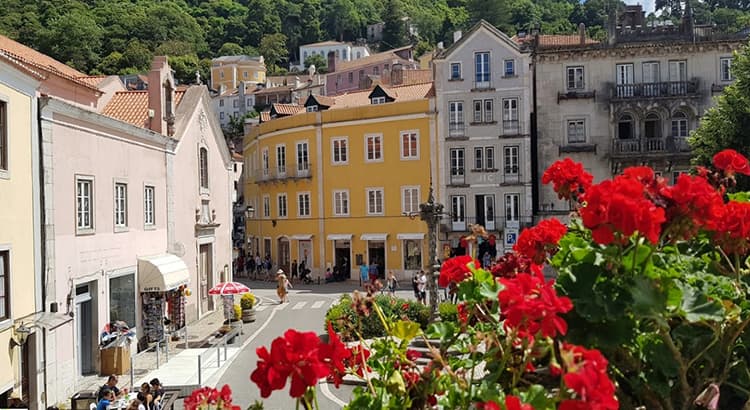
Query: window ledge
x,y
4,174
85,232
484,170
482,89
577,147
457,138
121,229
5,324
483,123
510,76
455,79
149,227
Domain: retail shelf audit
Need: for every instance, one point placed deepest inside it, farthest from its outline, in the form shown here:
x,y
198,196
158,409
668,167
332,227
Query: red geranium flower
x,y
463,312
733,228
334,354
510,265
358,360
488,405
731,162
692,204
514,403
456,270
587,377
568,178
531,305
536,242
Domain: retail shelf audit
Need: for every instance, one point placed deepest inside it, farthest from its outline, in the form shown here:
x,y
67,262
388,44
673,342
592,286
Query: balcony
x,y
458,178
462,224
576,95
302,171
650,146
512,176
667,89
456,129
483,86
511,128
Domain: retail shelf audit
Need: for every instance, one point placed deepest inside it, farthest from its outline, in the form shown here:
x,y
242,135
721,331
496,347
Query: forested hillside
x,y
121,36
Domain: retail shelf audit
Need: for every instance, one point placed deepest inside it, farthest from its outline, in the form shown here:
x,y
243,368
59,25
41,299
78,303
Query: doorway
x,y
376,255
283,257
305,253
205,272
342,257
84,318
485,209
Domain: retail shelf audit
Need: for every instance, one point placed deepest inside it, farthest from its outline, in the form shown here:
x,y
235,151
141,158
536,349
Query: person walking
x,y
415,285
294,269
391,283
282,287
422,287
258,265
364,274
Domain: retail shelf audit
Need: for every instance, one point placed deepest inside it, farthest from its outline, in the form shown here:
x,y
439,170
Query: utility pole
x,y
430,212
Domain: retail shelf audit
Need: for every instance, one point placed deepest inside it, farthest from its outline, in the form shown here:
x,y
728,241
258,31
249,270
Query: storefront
x,y
162,282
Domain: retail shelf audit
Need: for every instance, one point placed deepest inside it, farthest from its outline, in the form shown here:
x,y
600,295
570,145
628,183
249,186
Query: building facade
x,y
349,76
228,71
631,100
483,86
342,51
340,183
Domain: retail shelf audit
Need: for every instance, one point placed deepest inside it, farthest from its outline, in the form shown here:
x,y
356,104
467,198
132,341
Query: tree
x,y
320,63
136,56
75,38
311,24
394,26
230,49
494,11
273,49
261,19
725,125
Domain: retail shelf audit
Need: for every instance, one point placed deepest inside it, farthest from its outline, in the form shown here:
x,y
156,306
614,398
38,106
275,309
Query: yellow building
x,y
339,182
19,212
228,71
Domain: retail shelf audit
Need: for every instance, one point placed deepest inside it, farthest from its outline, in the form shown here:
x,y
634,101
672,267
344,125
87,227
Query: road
x,y
305,312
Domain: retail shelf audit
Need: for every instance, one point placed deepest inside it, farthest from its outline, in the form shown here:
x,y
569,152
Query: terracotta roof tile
x,y
132,106
324,43
22,54
324,100
400,93
371,59
92,80
556,40
265,116
416,76
288,109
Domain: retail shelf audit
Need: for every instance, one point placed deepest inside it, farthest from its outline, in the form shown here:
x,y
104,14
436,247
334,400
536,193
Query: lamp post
x,y
430,212
249,213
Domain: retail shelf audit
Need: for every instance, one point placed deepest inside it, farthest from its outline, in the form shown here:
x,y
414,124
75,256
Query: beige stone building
x,y
630,100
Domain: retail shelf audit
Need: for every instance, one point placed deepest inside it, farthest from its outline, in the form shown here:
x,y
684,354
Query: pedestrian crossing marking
x,y
318,304
299,305
282,306
261,308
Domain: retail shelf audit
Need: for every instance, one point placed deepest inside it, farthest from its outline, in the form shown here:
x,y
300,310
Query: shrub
x,y
237,312
369,324
247,301
448,312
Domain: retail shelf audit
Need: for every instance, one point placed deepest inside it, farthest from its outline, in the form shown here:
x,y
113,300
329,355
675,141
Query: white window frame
x,y
460,71
311,108
339,149
377,141
458,211
6,297
81,228
725,61
120,205
377,100
413,154
489,159
579,125
4,138
282,204
304,204
482,70
149,210
281,159
478,158
458,165
341,202
578,80
478,113
456,112
512,67
203,170
512,212
410,193
511,159
302,157
265,162
266,206
375,198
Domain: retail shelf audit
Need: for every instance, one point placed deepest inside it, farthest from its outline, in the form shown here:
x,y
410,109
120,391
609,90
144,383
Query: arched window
x,y
625,129
203,157
679,124
652,126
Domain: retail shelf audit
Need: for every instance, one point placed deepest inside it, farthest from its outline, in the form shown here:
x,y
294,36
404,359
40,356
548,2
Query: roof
x,y
371,59
30,58
324,43
93,80
556,40
132,106
399,93
480,24
265,116
287,109
324,100
416,76
238,59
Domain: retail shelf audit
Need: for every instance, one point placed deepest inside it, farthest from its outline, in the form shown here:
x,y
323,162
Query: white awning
x,y
160,273
373,236
47,320
410,236
339,237
302,237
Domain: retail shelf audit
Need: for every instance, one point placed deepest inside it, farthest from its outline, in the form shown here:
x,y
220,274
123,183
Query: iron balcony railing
x,y
511,127
655,90
292,171
669,145
456,129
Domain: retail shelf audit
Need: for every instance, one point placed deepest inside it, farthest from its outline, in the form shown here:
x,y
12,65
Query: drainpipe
x,y
41,103
534,136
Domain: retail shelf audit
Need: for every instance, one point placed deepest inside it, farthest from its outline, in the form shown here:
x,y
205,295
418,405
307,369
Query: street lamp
x,y
430,212
249,213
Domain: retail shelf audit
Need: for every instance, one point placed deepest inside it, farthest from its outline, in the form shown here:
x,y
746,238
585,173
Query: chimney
x,y
582,33
457,35
161,96
612,26
331,62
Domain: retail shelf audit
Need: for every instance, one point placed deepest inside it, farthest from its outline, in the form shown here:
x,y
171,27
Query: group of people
x,y
148,398
248,265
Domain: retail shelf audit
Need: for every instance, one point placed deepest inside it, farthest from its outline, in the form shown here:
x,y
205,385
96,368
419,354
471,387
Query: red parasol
x,y
229,288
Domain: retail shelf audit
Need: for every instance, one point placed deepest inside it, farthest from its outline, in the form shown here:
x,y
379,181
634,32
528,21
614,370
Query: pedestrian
x,y
415,285
294,269
391,283
364,272
422,287
240,266
258,265
282,287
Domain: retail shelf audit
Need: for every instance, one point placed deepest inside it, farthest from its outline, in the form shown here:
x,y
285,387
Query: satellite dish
x,y
311,70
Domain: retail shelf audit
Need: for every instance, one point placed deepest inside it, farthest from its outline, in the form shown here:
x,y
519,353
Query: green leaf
x,y
697,306
536,396
441,330
405,330
739,196
648,298
397,382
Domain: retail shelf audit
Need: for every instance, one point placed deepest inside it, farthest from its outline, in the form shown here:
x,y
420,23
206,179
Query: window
x,y
351,78
376,70
121,205
122,299
477,111
340,203
304,54
84,200
3,136
377,100
244,74
266,206
455,71
148,205
512,207
303,204
478,158
221,102
409,145
576,131
510,114
482,69
5,285
725,67
458,209
652,126
235,103
410,199
489,158
221,75
510,68
221,115
412,254
456,115
312,108
203,167
374,147
625,127
281,159
361,75
340,154
457,162
303,158
488,111
265,163
575,78
375,201
282,204
679,124
510,155
483,111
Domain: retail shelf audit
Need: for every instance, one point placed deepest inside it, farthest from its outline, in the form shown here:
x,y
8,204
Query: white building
x,y
343,51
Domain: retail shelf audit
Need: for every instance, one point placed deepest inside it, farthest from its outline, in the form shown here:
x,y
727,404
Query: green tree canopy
x,y
726,124
273,49
75,38
394,26
230,49
261,20
320,63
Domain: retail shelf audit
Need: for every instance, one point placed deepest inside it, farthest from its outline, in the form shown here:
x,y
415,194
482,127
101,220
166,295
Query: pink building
x,y
347,76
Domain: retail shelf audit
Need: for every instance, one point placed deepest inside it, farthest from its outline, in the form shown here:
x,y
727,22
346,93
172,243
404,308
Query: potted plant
x,y
248,307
